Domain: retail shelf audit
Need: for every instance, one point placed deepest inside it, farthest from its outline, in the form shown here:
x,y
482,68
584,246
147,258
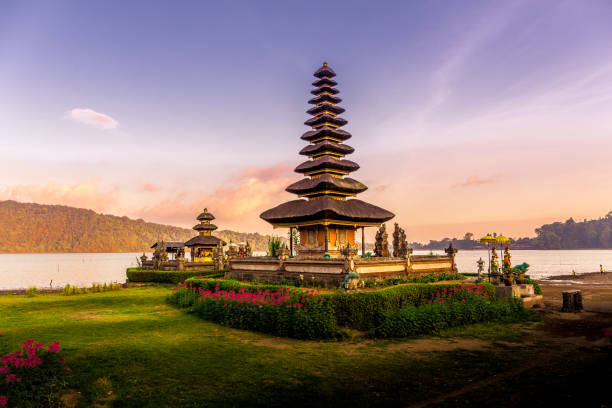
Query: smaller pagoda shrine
x,y
204,245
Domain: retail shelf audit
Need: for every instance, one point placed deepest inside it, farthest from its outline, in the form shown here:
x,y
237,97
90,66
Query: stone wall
x,y
175,265
334,270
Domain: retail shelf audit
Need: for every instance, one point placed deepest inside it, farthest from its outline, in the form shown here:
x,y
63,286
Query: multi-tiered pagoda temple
x,y
326,217
203,245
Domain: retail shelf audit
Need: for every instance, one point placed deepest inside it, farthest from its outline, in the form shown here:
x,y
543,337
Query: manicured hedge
x,y
139,275
210,283
282,311
416,279
536,286
364,310
314,321
431,318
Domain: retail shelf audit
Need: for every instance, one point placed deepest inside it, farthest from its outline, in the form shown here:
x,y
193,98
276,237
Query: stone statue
x,y
349,251
180,254
451,251
480,264
160,255
507,256
494,262
283,253
400,246
381,246
241,251
143,258
248,250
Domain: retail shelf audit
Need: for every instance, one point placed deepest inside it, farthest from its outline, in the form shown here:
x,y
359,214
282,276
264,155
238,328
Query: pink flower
x,y
54,347
3,400
66,368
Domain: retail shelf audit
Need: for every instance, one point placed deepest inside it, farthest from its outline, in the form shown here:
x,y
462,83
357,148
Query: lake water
x,y
24,270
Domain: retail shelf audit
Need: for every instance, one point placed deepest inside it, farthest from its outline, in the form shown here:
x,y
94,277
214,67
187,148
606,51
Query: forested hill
x,y
26,227
586,234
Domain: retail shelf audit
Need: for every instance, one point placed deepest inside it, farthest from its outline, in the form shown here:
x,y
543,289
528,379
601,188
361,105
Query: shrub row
x,y
284,311
415,279
140,275
431,318
364,310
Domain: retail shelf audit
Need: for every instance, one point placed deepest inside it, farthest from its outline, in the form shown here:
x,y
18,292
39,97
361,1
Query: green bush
x,y
370,283
314,322
95,288
140,275
364,310
431,318
361,310
31,291
289,312
536,286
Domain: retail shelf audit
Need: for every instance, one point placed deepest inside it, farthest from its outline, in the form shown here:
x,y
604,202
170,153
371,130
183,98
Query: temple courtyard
x,y
129,348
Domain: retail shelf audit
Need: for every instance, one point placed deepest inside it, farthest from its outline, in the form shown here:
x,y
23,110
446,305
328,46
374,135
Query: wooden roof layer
x,y
205,216
327,182
325,71
325,107
324,81
324,98
326,208
172,245
325,163
326,146
205,240
326,131
325,118
205,227
324,88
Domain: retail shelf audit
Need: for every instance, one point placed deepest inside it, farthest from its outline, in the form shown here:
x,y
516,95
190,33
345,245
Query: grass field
x,y
129,349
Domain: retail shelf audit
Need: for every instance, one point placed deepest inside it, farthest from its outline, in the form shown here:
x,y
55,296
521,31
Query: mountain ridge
x,y
53,228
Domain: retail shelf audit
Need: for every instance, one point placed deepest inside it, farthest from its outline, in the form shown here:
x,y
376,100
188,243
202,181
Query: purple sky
x,y
466,116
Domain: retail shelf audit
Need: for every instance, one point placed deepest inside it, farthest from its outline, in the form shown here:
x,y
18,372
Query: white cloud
x,y
92,118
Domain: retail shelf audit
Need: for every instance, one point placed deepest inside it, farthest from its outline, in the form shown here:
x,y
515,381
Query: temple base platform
x,y
333,271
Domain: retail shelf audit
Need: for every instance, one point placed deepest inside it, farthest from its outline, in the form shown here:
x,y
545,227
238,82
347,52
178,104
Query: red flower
x,y
3,400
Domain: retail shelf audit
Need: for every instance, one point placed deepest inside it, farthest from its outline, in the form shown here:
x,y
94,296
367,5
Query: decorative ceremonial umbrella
x,y
500,239
489,239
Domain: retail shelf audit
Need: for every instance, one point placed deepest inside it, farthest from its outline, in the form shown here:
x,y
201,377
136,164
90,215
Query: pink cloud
x,y
474,181
83,195
381,188
265,172
148,187
92,118
236,204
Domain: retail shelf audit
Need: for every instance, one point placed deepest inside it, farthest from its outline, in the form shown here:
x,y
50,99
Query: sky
x,y
466,116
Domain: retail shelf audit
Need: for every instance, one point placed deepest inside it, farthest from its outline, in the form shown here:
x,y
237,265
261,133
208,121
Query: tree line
x,y
586,234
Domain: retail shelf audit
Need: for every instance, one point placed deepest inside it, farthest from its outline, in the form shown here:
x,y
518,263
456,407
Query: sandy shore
x,y
596,290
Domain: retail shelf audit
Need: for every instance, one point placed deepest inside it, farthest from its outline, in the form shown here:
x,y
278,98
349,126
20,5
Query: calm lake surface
x,y
24,270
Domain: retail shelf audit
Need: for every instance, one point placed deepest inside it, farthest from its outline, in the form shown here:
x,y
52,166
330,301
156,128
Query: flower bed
x,y
33,375
363,310
310,314
140,275
282,311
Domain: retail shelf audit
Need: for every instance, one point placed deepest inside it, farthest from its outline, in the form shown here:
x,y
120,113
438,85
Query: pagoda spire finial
x,y
324,63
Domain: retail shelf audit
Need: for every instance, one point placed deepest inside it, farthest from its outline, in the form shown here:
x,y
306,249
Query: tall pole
x,y
362,241
291,241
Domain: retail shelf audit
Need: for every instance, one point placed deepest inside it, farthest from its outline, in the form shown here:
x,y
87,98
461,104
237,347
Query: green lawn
x,y
147,354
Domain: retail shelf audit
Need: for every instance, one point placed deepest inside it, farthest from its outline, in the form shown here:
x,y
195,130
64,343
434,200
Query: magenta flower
x,y
3,400
54,347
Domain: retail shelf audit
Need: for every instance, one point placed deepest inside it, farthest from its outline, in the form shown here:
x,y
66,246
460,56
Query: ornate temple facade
x,y
326,213
204,246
